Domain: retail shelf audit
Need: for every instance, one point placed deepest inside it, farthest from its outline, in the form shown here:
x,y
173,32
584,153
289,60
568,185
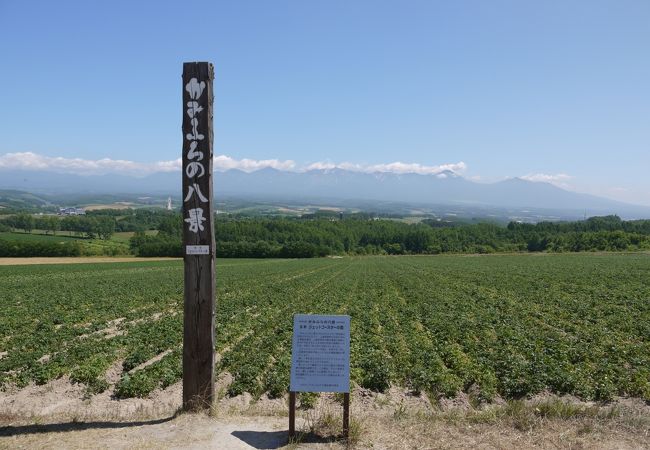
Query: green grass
x,y
124,236
89,247
38,236
512,325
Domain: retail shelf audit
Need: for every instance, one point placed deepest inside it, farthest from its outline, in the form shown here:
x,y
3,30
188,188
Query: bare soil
x,y
59,415
77,260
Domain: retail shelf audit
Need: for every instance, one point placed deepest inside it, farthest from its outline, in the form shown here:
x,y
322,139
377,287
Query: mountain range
x,y
336,184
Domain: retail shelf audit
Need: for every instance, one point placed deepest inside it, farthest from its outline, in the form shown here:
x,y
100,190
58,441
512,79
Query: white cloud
x,y
223,163
394,167
559,179
547,178
35,161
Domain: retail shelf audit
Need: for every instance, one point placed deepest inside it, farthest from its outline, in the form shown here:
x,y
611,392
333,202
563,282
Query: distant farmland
x,y
502,325
38,236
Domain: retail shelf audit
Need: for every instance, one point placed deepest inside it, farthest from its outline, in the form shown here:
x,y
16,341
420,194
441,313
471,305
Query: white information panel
x,y
197,249
320,356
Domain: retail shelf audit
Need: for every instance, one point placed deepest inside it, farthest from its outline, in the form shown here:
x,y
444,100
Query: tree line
x,y
98,224
313,237
90,226
321,235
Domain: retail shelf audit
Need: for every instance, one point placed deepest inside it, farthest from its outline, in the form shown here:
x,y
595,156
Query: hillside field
x,y
494,325
38,236
39,244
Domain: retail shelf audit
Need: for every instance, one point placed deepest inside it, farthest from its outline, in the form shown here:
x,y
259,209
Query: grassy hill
x,y
21,200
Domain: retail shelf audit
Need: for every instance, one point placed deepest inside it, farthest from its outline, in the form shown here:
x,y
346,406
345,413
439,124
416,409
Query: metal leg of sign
x,y
346,415
292,414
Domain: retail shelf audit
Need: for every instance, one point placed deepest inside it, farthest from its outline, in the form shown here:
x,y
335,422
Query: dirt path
x,y
243,432
195,431
78,260
57,415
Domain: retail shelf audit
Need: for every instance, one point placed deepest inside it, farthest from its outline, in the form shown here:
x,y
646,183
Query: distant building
x,y
169,203
72,211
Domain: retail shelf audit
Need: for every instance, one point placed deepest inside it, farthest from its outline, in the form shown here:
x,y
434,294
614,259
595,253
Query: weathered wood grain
x,y
199,306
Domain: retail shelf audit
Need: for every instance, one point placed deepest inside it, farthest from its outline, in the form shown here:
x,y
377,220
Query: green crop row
x,y
494,325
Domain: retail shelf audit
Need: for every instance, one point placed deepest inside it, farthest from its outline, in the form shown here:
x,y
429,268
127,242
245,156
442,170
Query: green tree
x,y
171,226
25,222
51,224
104,227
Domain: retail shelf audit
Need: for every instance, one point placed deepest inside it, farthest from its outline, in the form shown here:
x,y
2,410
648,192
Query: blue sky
x,y
554,91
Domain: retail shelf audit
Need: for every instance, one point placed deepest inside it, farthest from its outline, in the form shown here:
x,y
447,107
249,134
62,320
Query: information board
x,y
320,356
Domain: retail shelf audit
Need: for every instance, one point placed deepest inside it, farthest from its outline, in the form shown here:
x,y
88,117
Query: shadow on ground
x,y
270,440
74,426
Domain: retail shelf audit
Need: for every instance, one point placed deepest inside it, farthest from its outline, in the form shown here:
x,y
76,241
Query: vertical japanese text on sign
x,y
194,167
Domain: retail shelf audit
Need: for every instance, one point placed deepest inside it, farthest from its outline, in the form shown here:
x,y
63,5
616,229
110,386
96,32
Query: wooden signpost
x,y
198,237
320,361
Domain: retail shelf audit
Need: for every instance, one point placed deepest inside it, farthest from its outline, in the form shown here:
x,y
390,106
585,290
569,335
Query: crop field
x,y
38,236
506,325
87,247
124,236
